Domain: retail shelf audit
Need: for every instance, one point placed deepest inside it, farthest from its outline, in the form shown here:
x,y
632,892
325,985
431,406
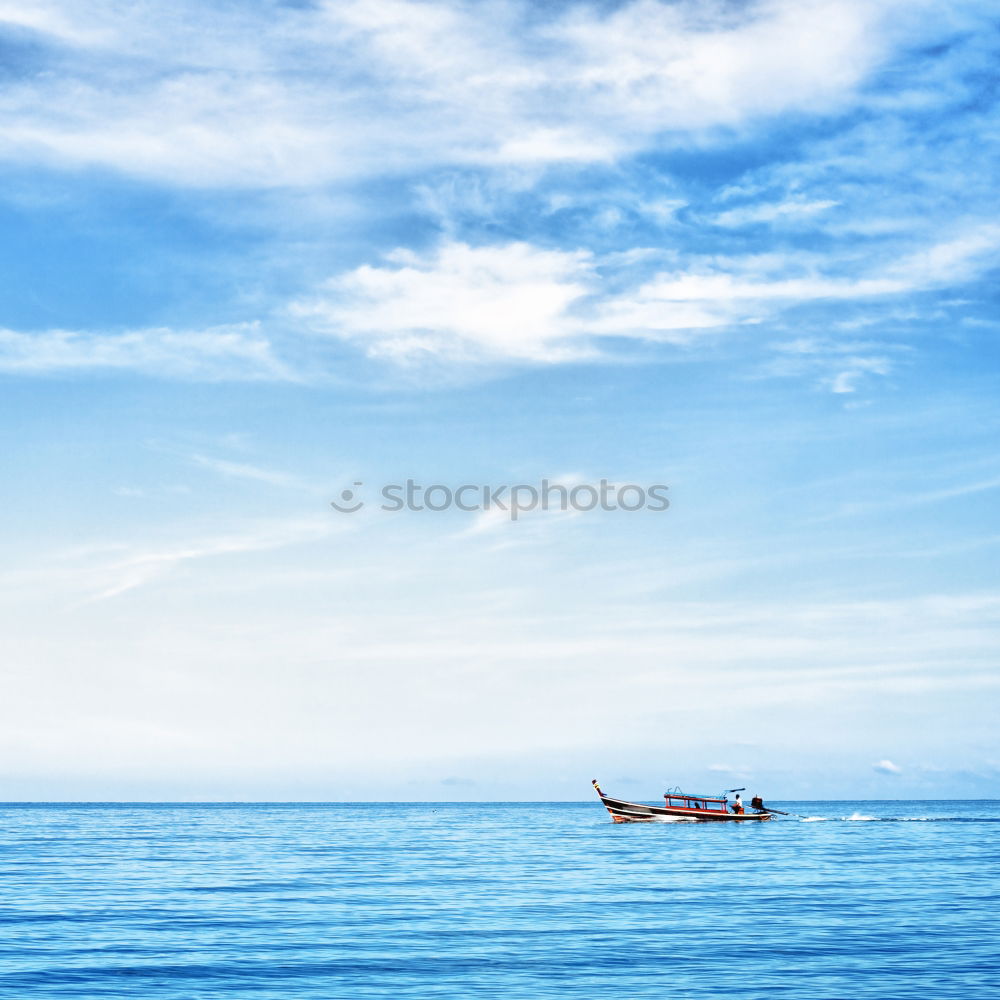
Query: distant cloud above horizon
x,y
886,767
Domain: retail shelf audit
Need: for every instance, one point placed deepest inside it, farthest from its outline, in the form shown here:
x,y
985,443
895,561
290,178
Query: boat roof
x,y
694,795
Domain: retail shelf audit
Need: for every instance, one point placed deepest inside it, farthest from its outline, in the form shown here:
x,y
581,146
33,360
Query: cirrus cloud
x,y
280,95
520,302
218,353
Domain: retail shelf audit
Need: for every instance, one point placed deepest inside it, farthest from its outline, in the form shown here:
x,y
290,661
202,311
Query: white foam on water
x,y
862,818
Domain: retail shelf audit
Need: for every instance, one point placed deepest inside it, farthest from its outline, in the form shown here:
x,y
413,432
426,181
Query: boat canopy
x,y
676,793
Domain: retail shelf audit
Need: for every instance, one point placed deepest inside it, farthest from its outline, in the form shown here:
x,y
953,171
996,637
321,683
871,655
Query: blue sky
x,y
256,253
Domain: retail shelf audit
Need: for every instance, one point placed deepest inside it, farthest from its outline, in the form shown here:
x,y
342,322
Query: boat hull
x,y
636,812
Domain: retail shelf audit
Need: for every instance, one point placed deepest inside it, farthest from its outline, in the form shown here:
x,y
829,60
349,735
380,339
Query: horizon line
x,y
404,802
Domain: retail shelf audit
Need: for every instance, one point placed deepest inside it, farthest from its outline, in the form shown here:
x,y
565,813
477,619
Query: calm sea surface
x,y
864,899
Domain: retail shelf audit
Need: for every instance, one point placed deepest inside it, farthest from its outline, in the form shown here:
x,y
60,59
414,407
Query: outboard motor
x,y
757,803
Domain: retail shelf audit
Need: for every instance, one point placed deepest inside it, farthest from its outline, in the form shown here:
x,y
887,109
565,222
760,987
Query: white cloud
x,y
886,767
741,288
110,577
50,18
244,470
290,96
857,368
520,302
222,352
791,211
459,302
715,292
516,301
842,366
692,65
952,260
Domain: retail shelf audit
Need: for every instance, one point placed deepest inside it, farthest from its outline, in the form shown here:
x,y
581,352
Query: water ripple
x,y
272,902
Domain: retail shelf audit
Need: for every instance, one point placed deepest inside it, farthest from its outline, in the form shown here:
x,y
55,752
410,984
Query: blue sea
x,y
283,901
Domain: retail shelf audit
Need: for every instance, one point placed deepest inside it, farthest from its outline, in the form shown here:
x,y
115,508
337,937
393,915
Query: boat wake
x,y
860,818
853,818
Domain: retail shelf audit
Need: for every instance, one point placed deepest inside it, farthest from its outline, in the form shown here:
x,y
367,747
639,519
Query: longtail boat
x,y
680,805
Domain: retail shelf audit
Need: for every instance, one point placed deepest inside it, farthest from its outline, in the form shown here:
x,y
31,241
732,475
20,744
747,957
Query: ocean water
x,y
855,899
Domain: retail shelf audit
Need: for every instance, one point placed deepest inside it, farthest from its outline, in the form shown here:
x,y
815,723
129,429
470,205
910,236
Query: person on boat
x,y
738,805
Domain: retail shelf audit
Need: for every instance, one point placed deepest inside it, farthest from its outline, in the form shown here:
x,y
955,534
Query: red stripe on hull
x,y
635,812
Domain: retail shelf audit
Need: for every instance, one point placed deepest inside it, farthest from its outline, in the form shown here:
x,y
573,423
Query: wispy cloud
x,y
842,366
917,497
225,352
516,301
287,95
752,286
784,212
244,470
123,572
